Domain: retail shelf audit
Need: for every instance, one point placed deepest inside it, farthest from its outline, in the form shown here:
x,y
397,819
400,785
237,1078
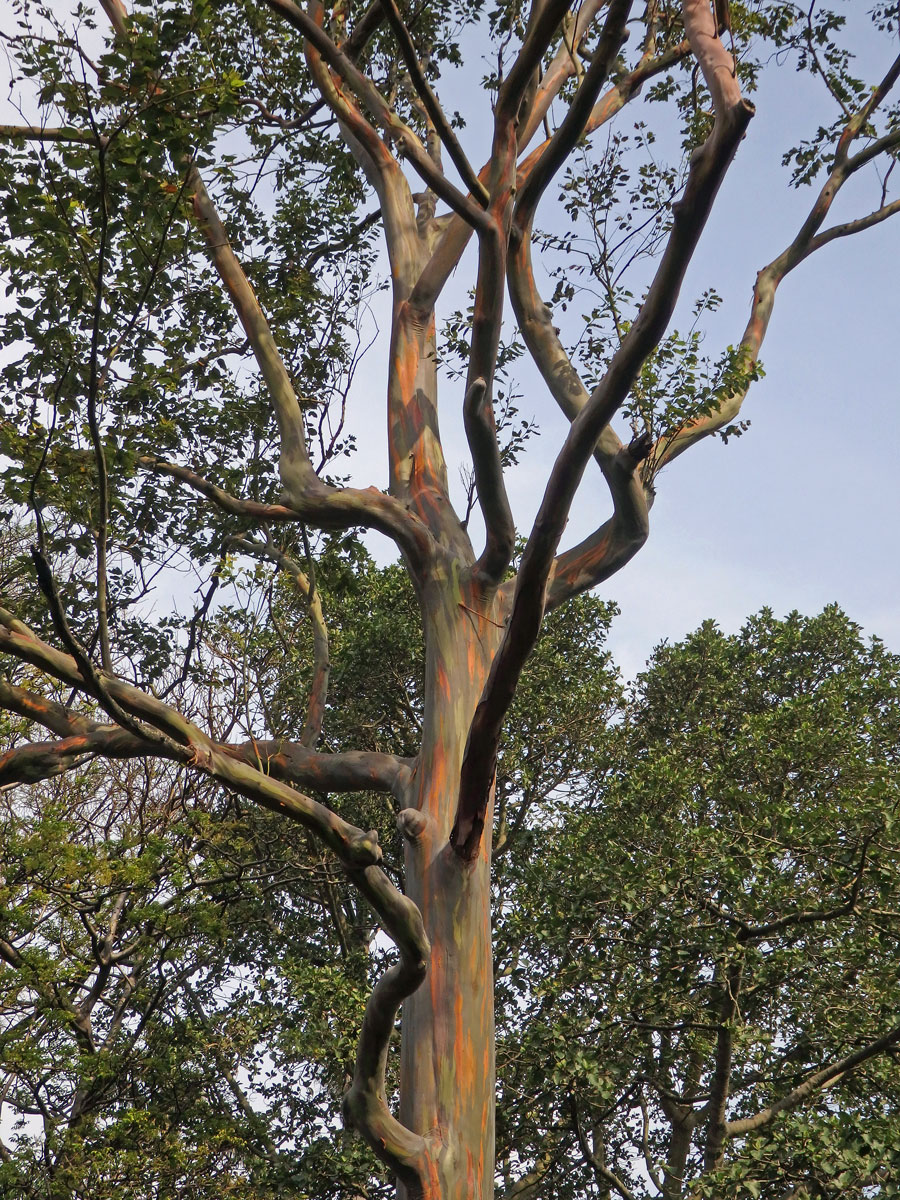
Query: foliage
x,y
730,870
194,200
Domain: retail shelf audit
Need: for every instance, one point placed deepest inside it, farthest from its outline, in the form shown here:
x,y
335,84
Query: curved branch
x,y
481,432
707,170
295,467
326,507
365,1105
253,509
617,541
817,1082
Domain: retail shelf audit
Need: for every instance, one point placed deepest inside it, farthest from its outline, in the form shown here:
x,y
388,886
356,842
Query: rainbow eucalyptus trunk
x,y
447,1054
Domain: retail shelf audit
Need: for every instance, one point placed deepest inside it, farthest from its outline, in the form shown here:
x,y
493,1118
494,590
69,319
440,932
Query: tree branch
x,y
572,128
193,748
481,431
855,226
296,469
36,761
328,508
815,1083
807,240
358,852
563,66
350,771
393,126
432,106
365,1106
456,236
617,541
601,1171
45,133
708,167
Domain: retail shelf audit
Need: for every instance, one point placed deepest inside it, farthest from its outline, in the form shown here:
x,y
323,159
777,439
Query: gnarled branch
x,y
708,167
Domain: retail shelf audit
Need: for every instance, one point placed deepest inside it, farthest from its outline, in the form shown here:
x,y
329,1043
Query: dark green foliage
x,y
740,813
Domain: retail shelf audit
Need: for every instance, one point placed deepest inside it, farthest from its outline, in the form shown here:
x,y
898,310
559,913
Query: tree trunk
x,y
447,1056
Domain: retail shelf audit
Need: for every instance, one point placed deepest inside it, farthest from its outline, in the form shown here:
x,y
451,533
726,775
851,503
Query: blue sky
x,y
801,511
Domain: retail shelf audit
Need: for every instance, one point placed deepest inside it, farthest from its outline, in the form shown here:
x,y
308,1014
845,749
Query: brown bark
x,y
447,1055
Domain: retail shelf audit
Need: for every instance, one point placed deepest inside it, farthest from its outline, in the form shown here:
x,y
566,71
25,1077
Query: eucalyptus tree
x,y
191,269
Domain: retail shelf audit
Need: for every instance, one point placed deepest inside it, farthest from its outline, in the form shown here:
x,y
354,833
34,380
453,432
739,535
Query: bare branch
x,y
564,65
817,1082
855,226
432,106
349,771
617,541
296,469
481,432
573,125
45,133
393,126
456,236
807,240
330,508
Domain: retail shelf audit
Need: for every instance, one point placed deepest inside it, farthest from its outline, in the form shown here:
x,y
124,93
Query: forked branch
x,y
708,167
807,241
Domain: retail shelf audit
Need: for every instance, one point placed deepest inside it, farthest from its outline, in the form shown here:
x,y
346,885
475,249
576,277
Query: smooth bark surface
x,y
481,606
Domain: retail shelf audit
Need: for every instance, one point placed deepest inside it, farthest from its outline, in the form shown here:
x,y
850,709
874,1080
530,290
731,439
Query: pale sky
x,y
802,510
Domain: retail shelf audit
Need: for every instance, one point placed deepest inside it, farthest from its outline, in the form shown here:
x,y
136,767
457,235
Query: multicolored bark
x,y
480,620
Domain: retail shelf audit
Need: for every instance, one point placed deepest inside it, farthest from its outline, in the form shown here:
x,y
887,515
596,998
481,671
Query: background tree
x,y
163,409
697,951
